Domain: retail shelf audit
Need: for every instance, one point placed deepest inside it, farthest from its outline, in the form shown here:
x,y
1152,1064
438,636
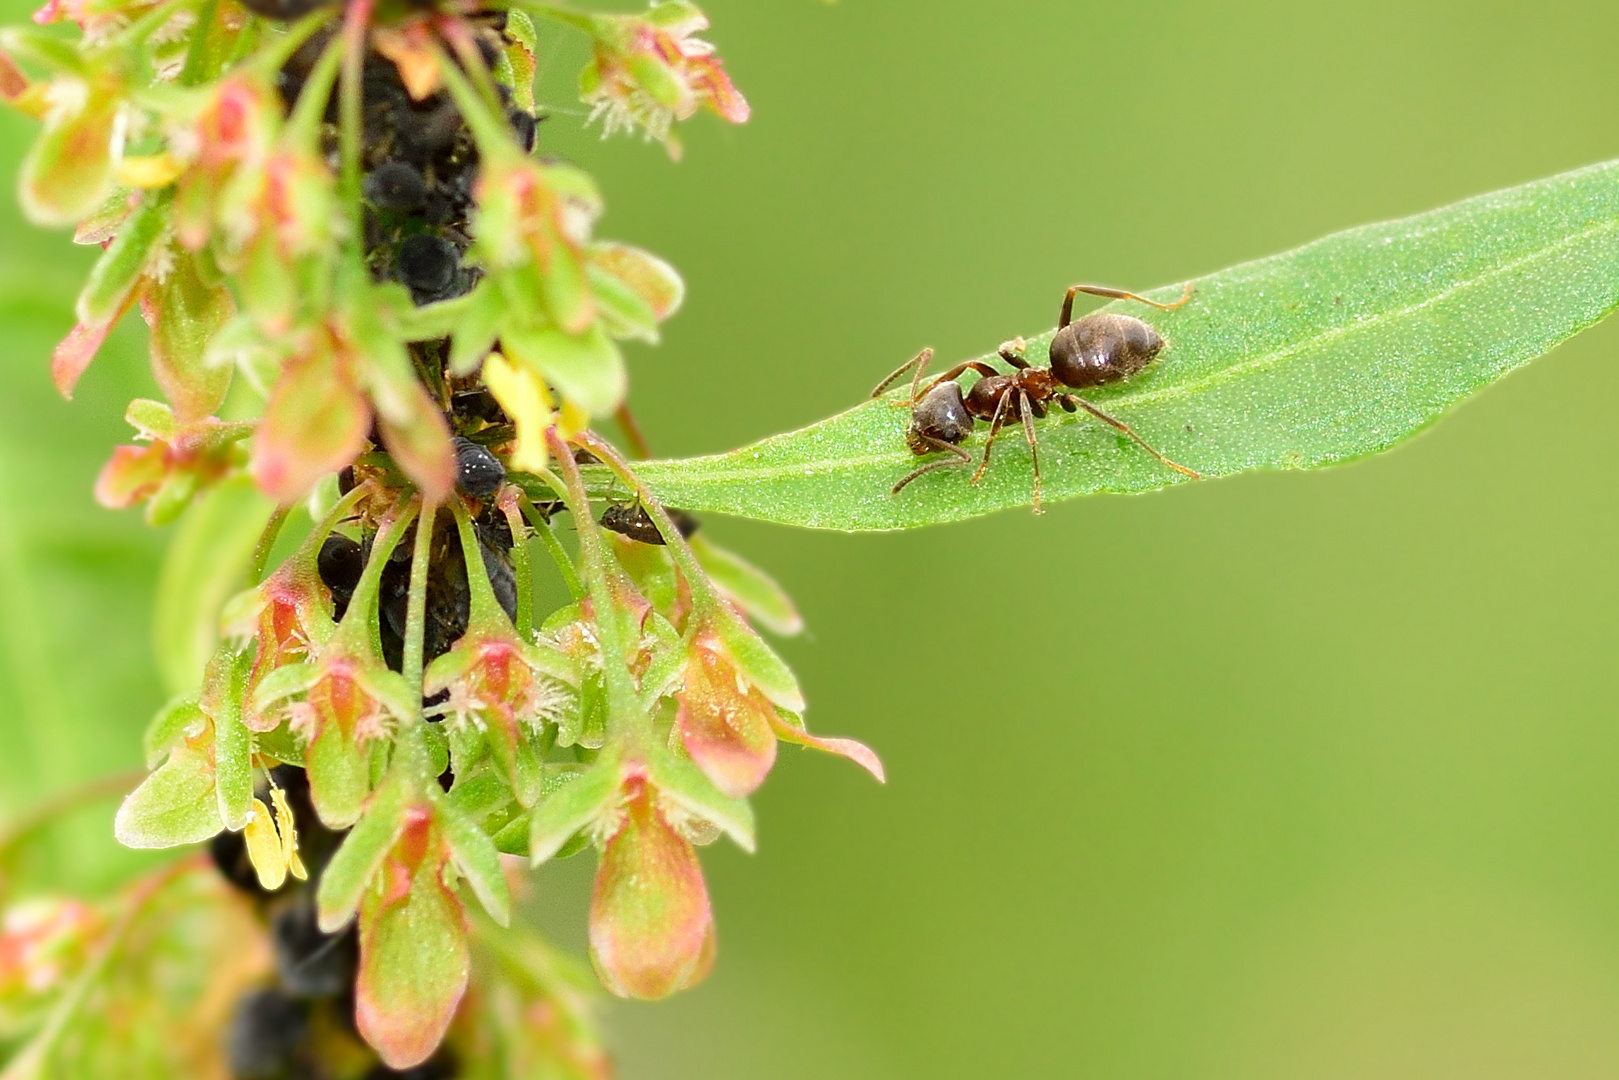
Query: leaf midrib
x,y
1366,324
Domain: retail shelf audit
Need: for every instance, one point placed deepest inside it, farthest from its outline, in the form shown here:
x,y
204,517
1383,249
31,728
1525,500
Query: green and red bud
x,y
724,721
338,707
651,926
738,698
397,869
650,71
175,462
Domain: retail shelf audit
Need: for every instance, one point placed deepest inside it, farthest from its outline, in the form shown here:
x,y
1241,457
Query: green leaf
x,y
577,803
233,743
759,663
119,268
683,783
339,776
343,882
185,312
477,860
750,588
69,170
177,720
173,806
206,563
586,369
1318,356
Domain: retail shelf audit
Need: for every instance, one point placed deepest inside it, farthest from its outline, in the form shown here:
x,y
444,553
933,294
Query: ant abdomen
x,y
941,414
1101,348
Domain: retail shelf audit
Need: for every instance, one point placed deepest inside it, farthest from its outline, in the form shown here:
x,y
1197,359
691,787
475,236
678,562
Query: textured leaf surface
x,y
1320,355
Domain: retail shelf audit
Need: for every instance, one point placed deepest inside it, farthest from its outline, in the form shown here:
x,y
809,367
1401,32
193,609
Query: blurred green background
x,y
1286,775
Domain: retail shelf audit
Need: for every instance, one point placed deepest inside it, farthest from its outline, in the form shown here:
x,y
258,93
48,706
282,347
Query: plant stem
x,y
303,128
632,432
548,537
416,609
355,21
479,110
624,706
703,597
266,544
200,39
522,567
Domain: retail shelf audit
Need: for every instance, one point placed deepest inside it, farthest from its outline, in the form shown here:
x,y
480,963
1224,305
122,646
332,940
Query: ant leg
x,y
1139,441
1113,294
1025,407
994,429
919,362
1012,352
959,370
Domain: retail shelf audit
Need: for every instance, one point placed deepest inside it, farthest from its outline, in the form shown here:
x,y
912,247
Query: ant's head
x,y
940,414
1102,347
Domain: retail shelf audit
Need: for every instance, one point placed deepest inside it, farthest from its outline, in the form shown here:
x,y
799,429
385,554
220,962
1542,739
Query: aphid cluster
x,y
420,167
1100,348
420,164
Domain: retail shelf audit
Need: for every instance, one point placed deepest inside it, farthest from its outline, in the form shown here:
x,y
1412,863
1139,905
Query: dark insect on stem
x,y
634,522
478,472
1101,348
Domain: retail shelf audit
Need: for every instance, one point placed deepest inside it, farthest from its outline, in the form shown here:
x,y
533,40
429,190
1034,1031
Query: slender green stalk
x,y
624,709
480,110
266,544
355,22
197,50
416,608
303,127
522,565
275,56
547,534
703,597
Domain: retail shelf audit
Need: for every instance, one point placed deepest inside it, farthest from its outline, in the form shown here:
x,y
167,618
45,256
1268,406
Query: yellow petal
x,y
287,826
149,171
573,420
264,848
522,395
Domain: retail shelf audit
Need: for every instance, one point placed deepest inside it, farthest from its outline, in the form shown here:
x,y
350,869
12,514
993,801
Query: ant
x,y
1100,348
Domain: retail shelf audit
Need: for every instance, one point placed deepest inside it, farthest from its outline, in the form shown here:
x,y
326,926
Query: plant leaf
x,y
206,563
363,852
477,860
1323,354
175,805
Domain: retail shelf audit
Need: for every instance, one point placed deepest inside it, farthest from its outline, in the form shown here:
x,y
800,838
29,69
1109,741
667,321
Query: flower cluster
x,y
370,294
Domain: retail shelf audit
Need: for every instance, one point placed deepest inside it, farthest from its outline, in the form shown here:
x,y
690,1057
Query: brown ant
x,y
1101,348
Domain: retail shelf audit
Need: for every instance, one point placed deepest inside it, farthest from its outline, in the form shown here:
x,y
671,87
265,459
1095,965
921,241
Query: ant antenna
x,y
1114,294
919,362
